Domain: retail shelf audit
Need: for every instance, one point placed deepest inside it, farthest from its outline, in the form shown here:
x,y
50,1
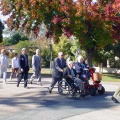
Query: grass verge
x,y
111,77
107,77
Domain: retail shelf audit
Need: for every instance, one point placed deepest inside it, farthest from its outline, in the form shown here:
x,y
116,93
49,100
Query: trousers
x,y
54,81
79,83
117,93
3,71
23,75
37,75
14,70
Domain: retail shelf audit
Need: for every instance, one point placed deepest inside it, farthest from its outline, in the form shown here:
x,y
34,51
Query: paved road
x,y
37,104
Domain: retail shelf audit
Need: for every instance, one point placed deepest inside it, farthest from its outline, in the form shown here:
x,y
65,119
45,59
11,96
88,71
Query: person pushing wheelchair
x,y
71,77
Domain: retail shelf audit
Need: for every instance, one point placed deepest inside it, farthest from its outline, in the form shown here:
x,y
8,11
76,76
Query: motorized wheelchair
x,y
89,73
97,83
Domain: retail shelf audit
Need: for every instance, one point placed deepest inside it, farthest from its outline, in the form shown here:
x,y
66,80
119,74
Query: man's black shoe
x,y
17,85
114,99
49,90
27,87
60,92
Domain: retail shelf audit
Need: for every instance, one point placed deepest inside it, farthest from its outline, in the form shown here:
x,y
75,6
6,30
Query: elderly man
x,y
24,68
36,66
71,77
57,73
3,65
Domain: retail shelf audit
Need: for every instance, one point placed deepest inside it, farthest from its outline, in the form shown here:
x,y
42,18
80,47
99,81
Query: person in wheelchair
x,y
71,77
80,67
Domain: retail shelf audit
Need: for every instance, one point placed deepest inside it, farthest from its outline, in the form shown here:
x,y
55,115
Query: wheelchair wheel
x,y
102,91
64,86
73,91
92,91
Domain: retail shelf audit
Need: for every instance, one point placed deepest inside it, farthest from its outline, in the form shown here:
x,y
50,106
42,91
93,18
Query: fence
x,y
107,70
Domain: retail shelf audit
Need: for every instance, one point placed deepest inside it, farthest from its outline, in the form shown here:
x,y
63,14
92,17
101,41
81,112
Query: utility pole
x,y
50,58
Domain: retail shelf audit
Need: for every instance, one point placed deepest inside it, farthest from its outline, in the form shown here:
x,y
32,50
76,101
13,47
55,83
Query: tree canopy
x,y
94,24
14,39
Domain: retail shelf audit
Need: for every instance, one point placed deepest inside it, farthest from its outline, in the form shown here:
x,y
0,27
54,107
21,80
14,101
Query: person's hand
x,y
69,76
21,70
61,70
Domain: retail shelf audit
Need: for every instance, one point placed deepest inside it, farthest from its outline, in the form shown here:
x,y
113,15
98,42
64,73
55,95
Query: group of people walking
x,y
70,70
20,66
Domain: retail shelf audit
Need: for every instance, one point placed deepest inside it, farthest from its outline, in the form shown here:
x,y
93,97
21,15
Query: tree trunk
x,y
89,56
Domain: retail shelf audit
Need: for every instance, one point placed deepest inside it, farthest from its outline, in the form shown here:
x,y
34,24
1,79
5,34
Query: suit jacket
x,y
67,72
57,66
36,63
22,62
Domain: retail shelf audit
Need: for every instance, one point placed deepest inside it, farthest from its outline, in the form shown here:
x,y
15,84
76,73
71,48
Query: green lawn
x,y
111,77
107,77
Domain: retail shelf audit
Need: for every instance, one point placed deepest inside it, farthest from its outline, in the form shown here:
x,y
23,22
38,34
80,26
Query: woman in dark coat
x,y
80,67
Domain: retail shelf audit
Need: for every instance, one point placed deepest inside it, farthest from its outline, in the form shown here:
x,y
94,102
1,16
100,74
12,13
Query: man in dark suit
x,y
24,68
58,65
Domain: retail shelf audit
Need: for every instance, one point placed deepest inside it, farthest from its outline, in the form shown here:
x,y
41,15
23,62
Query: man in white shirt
x,y
15,66
3,65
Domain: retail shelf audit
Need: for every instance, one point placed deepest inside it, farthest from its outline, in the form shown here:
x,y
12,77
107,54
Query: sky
x,y
3,17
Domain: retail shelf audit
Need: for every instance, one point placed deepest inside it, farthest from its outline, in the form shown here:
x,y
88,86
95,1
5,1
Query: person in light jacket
x,y
3,65
36,66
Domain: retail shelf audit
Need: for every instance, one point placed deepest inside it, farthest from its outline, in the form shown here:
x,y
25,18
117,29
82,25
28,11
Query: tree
x,y
63,45
29,45
1,31
14,39
94,25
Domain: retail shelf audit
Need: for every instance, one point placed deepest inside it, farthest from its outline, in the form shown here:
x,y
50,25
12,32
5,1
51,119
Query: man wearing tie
x,y
24,68
57,73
